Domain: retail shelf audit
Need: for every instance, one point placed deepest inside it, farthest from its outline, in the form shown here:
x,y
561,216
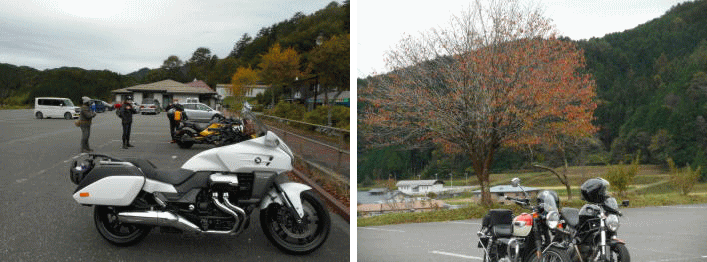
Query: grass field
x,y
651,187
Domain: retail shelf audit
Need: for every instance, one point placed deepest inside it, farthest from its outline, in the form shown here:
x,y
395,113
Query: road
x,y
41,221
672,233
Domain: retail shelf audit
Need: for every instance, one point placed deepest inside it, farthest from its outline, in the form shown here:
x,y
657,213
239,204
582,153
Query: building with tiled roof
x,y
165,92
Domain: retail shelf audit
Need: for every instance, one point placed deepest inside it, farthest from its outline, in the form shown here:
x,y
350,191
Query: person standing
x,y
171,109
85,118
126,112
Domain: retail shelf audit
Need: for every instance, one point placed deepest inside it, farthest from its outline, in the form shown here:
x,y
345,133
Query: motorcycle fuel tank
x,y
253,155
522,225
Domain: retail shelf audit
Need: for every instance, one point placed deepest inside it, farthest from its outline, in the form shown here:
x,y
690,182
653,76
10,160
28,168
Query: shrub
x,y
292,111
621,176
319,116
683,179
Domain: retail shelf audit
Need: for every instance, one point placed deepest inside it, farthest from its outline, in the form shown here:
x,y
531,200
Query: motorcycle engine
x,y
224,184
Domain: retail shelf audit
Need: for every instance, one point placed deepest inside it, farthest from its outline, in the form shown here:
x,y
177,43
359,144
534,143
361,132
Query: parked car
x,y
98,106
55,107
200,112
149,106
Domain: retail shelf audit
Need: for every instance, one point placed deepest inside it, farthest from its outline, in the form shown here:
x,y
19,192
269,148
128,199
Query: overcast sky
x,y
126,35
382,23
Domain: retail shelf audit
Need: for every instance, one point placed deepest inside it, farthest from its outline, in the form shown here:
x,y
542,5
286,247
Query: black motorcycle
x,y
592,230
527,237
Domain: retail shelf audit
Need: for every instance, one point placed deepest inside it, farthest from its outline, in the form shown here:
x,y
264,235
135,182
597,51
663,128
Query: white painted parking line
x,y
464,223
455,255
381,229
687,207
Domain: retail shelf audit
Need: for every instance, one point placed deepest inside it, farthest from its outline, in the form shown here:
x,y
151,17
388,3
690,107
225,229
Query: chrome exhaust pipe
x,y
159,218
238,228
168,219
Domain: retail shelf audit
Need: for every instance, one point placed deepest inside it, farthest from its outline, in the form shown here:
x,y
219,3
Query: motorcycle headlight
x,y
612,222
552,219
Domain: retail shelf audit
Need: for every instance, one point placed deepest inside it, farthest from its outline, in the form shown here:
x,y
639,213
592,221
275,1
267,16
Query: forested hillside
x,y
653,88
652,100
19,85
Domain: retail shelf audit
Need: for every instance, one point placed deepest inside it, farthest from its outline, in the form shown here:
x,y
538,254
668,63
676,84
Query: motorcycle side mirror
x,y
515,182
624,203
271,139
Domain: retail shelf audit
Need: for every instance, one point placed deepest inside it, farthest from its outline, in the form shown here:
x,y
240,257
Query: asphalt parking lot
x,y
671,233
41,221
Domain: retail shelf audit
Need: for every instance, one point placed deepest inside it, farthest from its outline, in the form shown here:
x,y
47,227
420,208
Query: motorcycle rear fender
x,y
292,190
187,129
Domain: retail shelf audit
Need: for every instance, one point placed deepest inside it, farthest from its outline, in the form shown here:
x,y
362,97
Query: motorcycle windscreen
x,y
111,191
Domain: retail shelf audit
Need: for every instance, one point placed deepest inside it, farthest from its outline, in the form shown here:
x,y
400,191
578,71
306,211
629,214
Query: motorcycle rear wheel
x,y
282,230
117,233
552,254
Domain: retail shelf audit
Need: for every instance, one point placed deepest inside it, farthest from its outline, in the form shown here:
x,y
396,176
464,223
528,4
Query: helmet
x,y
594,190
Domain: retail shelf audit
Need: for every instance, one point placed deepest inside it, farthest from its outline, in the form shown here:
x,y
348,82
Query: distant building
x,y
166,91
337,98
499,192
224,90
419,187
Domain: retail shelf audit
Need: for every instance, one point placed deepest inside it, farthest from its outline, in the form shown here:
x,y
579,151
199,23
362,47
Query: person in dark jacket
x,y
126,112
85,123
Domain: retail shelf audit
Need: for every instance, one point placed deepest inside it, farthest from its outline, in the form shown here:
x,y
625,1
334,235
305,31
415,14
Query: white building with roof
x,y
420,187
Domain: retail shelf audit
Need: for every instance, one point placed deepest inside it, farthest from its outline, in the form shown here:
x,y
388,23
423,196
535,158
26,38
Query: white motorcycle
x,y
214,192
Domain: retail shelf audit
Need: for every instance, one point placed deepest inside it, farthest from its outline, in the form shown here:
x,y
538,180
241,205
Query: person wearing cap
x,y
85,118
126,112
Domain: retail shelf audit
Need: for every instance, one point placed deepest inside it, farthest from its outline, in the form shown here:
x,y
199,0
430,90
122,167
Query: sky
x,y
124,36
383,23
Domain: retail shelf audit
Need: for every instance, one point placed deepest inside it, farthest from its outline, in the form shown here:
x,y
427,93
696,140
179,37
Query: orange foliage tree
x,y
497,76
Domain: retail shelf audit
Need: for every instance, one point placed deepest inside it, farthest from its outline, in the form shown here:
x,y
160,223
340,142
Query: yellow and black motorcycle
x,y
219,132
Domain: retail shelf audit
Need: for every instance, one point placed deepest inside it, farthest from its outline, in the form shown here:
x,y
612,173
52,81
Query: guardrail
x,y
339,166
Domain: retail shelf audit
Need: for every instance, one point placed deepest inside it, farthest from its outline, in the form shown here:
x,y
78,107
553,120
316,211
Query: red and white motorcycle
x,y
214,192
526,237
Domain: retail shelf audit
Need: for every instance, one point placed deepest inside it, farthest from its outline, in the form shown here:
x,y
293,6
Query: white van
x,y
55,107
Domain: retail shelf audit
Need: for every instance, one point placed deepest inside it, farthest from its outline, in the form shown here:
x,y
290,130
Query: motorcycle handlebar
x,y
519,201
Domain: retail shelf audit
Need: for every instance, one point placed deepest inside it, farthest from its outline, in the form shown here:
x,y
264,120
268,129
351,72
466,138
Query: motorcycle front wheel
x,y
117,233
552,254
619,253
285,233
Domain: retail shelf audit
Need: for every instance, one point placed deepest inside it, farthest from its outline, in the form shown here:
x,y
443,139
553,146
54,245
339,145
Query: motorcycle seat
x,y
502,230
571,216
169,176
